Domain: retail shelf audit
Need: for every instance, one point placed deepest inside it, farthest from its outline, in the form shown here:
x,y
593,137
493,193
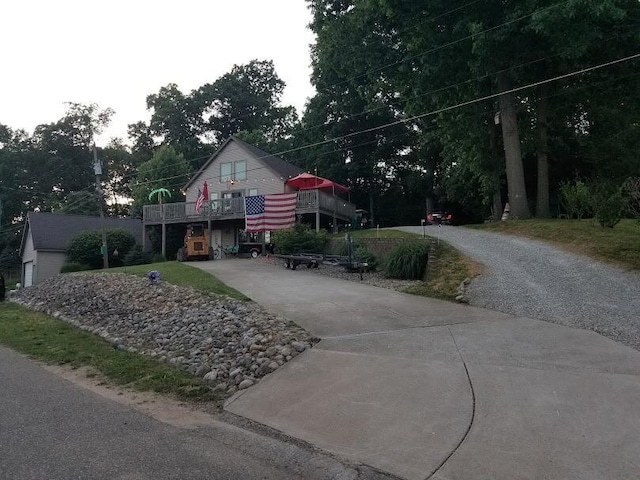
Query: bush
x,y
74,267
365,255
362,252
575,198
85,248
408,261
631,190
158,258
137,257
607,202
299,238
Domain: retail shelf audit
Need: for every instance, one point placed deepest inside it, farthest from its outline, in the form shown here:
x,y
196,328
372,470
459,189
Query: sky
x,y
115,53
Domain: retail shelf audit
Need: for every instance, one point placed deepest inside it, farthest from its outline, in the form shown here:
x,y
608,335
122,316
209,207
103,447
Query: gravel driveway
x,y
530,278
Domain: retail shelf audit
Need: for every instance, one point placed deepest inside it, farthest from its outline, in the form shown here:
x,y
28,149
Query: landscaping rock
x,y
221,339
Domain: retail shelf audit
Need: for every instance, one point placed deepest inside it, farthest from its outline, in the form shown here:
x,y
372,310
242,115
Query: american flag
x,y
202,197
270,212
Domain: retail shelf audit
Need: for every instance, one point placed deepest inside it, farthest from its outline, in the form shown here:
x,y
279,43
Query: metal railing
x,y
309,201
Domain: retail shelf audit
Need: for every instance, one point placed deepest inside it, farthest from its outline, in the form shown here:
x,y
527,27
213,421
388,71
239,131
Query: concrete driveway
x,y
421,388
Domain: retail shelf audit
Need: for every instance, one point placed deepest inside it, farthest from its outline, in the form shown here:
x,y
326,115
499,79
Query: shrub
x,y
137,257
299,238
365,255
158,258
607,202
85,248
408,261
362,252
73,267
631,190
575,198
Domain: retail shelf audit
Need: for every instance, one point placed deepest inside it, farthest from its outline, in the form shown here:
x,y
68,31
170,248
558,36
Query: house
x,y
238,170
46,236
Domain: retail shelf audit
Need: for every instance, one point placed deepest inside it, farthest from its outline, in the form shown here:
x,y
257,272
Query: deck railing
x,y
309,201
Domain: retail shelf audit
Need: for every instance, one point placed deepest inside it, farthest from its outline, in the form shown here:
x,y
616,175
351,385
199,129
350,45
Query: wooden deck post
x,y
164,239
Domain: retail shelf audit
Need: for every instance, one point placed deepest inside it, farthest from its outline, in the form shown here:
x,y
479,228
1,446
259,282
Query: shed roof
x,y
275,163
52,232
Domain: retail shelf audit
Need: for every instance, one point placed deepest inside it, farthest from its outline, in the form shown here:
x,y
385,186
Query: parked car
x,y
439,218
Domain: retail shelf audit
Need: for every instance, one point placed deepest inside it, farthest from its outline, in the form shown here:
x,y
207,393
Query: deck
x,y
309,201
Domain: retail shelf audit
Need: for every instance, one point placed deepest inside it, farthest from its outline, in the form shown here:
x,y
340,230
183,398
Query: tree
x,y
355,116
245,99
433,58
85,247
84,202
166,169
176,120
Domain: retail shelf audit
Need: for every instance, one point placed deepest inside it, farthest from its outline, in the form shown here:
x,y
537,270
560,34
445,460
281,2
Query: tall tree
x,y
245,99
166,169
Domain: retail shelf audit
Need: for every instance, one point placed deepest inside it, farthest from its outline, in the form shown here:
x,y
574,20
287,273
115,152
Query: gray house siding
x,y
46,237
49,265
259,176
29,253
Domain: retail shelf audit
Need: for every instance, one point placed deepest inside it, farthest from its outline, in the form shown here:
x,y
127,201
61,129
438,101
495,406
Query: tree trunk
x,y
496,201
542,194
372,217
513,156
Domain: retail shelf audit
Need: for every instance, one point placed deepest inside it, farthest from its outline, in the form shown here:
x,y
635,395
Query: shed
x,y
46,237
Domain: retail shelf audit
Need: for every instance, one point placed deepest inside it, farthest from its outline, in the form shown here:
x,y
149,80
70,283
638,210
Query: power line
x,y
416,117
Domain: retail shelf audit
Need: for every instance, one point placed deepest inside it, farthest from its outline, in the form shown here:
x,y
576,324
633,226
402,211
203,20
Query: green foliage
x,y
52,340
299,238
85,247
184,275
607,202
137,256
74,267
158,258
631,189
619,246
408,261
166,169
81,203
575,198
363,253
9,260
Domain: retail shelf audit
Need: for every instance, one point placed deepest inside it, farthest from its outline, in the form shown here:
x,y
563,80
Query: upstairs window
x,y
233,171
226,172
241,170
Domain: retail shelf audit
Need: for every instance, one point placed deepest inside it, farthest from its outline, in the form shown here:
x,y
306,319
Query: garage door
x,y
28,274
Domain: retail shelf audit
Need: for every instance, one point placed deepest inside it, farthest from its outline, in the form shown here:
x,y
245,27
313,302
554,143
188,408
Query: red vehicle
x,y
439,218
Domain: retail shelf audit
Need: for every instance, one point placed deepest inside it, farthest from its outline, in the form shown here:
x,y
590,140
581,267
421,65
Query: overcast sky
x,y
116,52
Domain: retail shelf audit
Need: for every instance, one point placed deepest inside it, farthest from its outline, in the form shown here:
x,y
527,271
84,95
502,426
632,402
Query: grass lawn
x,y
183,275
54,341
451,269
373,233
619,245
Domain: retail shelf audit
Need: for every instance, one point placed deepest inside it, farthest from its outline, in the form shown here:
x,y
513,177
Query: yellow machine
x,y
196,244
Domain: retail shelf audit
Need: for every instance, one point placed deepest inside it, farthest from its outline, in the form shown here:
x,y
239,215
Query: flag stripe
x,y
270,212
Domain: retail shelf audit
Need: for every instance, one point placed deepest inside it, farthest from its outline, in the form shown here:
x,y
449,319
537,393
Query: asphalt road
x,y
52,429
533,279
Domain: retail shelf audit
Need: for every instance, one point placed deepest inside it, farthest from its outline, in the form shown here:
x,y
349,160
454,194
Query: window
x,y
241,170
226,172
253,192
230,171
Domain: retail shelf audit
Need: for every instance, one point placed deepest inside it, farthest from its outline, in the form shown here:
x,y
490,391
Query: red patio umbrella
x,y
307,181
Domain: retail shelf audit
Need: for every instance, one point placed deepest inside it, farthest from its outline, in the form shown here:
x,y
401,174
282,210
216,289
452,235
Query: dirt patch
x,y
161,408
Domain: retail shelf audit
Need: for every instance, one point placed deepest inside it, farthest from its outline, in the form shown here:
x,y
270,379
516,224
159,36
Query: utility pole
x,y
97,168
